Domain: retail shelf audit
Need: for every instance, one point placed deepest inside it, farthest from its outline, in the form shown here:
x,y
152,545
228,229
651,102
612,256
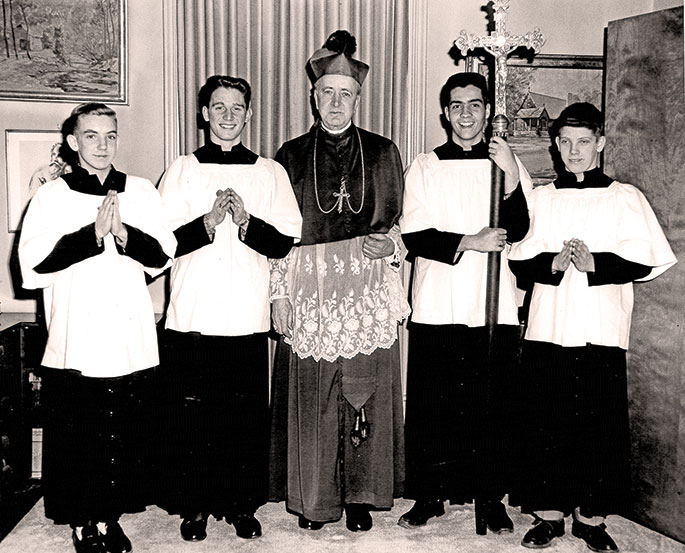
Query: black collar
x,y
238,155
452,150
79,180
594,178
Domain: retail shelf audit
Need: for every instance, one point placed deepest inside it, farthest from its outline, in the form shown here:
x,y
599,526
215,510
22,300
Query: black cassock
x,y
459,428
575,432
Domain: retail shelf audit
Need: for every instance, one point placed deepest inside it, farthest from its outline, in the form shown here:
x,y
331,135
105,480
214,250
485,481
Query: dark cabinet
x,y
21,350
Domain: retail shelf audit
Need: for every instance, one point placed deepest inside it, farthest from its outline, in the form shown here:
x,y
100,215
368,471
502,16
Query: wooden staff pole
x,y
500,124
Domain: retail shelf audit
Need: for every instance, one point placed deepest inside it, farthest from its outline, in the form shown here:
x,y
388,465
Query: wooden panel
x,y
645,146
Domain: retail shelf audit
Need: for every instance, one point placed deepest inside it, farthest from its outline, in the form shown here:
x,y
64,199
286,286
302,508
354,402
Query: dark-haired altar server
x,y
231,210
87,240
457,420
337,300
590,238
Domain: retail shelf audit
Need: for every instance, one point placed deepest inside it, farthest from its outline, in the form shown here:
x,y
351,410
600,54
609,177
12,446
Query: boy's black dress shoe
x,y
492,515
90,542
358,518
307,524
419,514
115,539
543,533
194,530
596,537
246,526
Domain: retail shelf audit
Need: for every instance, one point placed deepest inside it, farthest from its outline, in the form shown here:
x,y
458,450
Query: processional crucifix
x,y
500,44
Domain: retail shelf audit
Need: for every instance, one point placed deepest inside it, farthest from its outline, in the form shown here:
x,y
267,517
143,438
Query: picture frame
x,y
32,159
538,89
66,51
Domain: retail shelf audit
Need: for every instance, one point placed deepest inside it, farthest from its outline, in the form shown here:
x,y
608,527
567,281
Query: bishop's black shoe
x,y
358,518
246,526
596,537
115,539
492,515
542,533
90,542
194,530
307,524
421,512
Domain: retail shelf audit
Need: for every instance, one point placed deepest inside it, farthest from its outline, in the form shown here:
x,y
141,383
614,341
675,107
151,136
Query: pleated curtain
x,y
268,42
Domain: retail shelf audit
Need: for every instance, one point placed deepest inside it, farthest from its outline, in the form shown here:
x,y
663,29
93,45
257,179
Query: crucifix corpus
x,y
500,44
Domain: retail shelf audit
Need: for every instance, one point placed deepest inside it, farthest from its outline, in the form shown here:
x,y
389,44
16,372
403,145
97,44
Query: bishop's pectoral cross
x,y
342,195
500,44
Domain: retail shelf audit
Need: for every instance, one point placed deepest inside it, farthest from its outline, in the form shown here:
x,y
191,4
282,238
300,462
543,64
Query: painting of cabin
x,y
536,95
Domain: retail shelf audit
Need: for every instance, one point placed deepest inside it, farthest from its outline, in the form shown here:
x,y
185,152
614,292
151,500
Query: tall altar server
x,y
591,237
231,210
87,240
457,434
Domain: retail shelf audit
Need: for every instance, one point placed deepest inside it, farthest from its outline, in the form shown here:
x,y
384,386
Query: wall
x,y
570,27
141,128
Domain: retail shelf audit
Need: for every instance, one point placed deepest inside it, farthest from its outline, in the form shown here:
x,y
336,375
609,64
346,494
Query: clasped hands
x,y
377,245
227,201
108,220
574,251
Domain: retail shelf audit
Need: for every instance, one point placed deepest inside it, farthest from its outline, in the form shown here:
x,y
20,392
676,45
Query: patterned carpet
x,y
156,532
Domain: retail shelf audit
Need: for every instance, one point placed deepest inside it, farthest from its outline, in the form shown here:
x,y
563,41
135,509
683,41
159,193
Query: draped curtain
x,y
268,42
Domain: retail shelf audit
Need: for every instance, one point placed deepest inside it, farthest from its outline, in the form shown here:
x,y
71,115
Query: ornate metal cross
x,y
500,44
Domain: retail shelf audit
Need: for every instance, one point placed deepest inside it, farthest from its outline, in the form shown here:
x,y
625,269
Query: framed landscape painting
x,y
63,50
537,91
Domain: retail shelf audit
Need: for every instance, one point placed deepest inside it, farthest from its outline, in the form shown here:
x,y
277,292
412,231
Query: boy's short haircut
x,y
580,114
462,80
71,122
223,81
90,108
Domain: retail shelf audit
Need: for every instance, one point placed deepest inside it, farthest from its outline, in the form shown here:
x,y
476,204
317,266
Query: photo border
x,y
17,174
561,61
